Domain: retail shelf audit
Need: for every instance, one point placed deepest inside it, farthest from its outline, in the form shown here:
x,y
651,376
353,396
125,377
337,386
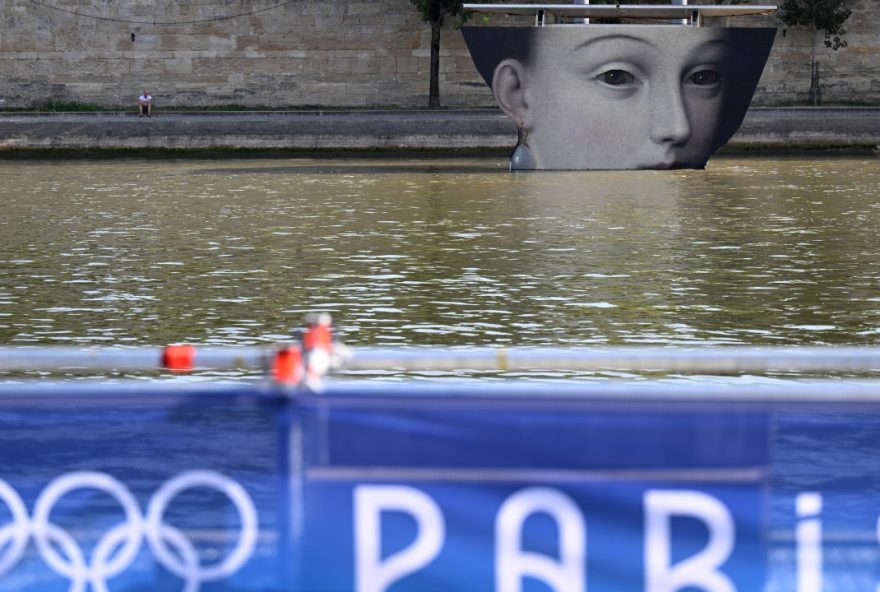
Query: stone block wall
x,y
305,53
848,76
331,53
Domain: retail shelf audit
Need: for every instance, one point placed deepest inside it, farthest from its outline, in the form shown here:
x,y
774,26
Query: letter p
x,y
372,572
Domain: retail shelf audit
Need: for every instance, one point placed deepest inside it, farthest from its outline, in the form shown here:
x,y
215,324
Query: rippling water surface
x,y
457,252
439,251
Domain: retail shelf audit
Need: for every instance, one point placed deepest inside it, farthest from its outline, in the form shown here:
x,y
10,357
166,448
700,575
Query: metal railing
x,y
338,358
716,360
684,13
315,353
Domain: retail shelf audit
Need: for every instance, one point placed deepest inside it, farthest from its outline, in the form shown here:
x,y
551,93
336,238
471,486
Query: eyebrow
x,y
712,43
613,37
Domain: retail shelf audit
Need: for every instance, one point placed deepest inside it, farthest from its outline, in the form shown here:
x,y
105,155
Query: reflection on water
x,y
439,251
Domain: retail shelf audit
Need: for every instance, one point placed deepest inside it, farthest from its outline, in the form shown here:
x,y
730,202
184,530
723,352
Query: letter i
x,y
808,538
877,589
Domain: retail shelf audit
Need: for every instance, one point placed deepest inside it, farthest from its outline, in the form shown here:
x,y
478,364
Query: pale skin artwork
x,y
622,96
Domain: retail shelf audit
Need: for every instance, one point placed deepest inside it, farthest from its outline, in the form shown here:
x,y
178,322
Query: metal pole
x,y
721,360
142,359
715,360
695,15
584,21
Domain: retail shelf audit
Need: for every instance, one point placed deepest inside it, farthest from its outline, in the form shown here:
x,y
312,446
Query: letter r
x,y
699,570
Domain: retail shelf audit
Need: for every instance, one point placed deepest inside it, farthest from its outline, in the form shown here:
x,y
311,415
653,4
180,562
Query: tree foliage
x,y
437,10
825,16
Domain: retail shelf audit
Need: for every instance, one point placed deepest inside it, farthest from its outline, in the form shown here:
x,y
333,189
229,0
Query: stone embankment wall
x,y
848,76
307,53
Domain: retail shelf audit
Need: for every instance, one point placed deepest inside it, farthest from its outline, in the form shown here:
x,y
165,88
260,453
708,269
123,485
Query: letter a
x,y
568,573
699,570
372,573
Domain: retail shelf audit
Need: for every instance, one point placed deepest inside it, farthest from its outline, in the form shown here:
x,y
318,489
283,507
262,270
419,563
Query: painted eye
x,y
616,77
705,77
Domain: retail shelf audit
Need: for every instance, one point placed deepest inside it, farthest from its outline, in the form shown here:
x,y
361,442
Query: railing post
x,y
585,20
693,20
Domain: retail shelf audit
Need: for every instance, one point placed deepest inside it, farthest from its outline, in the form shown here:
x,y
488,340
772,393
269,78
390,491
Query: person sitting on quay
x,y
145,101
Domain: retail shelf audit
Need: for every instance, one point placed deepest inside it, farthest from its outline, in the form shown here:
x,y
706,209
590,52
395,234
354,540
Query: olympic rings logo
x,y
116,549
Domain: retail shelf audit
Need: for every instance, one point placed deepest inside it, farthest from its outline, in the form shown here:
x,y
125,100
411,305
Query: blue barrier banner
x,y
442,487
138,489
459,493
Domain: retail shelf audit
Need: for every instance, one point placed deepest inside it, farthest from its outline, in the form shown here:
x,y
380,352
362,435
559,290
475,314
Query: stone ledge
x,y
764,128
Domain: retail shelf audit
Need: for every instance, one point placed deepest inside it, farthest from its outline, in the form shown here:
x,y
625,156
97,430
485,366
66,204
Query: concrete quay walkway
x,y
467,130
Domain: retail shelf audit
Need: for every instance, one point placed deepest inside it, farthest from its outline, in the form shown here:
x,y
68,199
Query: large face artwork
x,y
620,96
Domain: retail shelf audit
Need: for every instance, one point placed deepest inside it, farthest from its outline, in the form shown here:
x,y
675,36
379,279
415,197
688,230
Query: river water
x,y
439,251
433,251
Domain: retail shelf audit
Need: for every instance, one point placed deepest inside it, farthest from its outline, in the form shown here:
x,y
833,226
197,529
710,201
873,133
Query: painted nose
x,y
670,123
